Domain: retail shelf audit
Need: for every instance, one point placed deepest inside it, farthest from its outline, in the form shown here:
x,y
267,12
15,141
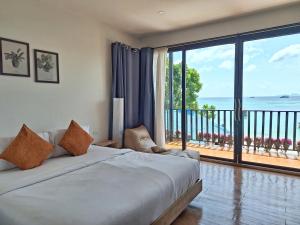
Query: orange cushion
x,y
76,140
27,150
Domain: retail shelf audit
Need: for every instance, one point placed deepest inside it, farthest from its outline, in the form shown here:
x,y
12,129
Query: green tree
x,y
210,113
193,85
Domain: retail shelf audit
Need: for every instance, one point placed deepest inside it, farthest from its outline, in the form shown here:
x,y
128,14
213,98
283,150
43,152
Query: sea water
x,y
277,129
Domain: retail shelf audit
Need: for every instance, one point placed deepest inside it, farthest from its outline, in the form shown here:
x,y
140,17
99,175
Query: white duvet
x,y
104,187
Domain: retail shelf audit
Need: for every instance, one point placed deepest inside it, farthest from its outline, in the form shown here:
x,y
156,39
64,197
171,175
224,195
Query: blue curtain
x,y
125,82
147,90
132,79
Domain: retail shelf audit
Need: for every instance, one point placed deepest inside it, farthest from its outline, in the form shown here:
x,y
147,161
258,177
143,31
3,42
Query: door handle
x,y
237,115
239,109
235,110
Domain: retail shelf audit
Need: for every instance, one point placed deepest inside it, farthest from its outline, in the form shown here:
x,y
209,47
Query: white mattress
x,y
104,187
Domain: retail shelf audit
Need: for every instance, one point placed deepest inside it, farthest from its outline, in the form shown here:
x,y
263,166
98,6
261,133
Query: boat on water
x,y
284,96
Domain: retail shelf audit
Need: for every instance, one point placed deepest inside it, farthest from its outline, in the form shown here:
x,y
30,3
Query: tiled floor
x,y
233,196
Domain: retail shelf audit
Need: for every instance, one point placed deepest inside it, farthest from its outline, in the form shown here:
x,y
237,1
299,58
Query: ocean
x,y
256,103
278,127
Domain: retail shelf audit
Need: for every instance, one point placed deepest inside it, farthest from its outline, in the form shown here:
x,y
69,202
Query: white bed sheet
x,y
104,187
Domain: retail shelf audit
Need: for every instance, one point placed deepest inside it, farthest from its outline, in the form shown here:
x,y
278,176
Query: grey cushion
x,y
138,139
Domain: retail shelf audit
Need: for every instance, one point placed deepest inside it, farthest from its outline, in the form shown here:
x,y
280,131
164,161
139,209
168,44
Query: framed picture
x,y
14,58
46,66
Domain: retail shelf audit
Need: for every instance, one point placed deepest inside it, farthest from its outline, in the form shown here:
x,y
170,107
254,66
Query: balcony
x,y
269,137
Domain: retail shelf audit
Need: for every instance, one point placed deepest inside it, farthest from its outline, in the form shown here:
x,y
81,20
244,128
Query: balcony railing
x,y
263,129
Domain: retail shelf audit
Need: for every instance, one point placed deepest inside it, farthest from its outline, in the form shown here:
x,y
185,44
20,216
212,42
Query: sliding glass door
x,y
173,101
271,101
210,100
237,98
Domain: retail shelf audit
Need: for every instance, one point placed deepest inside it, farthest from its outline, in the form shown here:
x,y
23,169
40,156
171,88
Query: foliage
x,y
15,57
248,141
208,111
45,62
229,140
268,144
257,142
277,144
200,136
207,136
177,134
193,85
214,137
285,143
222,140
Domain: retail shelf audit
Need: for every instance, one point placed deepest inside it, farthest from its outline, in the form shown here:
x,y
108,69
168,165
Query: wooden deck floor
x,y
241,196
258,157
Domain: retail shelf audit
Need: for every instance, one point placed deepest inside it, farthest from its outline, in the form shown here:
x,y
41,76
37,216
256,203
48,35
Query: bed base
x,y
171,213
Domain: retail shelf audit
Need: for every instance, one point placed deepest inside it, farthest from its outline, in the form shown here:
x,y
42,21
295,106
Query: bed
x,y
103,187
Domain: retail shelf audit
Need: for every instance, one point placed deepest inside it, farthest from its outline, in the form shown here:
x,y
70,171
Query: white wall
x,y
85,69
85,62
276,17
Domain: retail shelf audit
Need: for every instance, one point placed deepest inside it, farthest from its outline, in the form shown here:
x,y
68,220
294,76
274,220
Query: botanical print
x,y
46,66
15,59
45,62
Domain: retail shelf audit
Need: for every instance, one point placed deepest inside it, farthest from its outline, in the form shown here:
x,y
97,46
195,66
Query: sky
x,y
271,67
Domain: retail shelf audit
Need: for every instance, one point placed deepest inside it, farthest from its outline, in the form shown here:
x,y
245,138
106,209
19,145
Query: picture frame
x,y
14,58
46,66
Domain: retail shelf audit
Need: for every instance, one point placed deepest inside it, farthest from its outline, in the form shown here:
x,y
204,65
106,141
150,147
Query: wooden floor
x,y
240,196
259,157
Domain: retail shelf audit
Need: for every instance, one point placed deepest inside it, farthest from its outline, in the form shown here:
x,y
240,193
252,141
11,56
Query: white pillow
x,y
4,142
55,138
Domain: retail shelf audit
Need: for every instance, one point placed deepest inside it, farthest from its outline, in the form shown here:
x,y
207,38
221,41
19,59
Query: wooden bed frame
x,y
171,213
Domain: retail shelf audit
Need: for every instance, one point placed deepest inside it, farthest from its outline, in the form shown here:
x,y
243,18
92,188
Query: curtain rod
x,y
183,44
126,46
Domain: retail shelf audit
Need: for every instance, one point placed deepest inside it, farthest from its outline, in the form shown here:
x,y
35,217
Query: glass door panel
x,y
173,101
209,102
271,101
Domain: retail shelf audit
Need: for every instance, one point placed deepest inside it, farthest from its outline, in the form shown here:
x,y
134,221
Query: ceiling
x,y
141,17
